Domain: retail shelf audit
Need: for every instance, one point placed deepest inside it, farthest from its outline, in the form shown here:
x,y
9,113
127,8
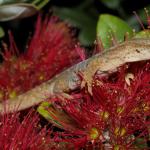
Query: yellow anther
x,y
1,95
24,65
120,131
94,133
116,147
116,131
136,109
120,109
104,115
12,94
41,77
146,107
119,147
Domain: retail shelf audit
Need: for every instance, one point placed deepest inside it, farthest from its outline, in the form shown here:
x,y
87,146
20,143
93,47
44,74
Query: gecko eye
x,y
74,81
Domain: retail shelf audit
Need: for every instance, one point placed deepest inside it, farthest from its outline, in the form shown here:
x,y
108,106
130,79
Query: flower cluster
x,y
25,134
52,49
115,117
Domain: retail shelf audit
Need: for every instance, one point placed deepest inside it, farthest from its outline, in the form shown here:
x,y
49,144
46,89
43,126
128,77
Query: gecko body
x,y
128,51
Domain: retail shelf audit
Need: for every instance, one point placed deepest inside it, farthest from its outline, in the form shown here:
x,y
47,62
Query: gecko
x,y
107,61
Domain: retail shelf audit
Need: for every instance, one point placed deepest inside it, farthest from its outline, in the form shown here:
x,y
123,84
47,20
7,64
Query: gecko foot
x,y
87,80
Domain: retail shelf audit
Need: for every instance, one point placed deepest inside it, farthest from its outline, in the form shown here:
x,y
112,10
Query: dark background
x,y
23,28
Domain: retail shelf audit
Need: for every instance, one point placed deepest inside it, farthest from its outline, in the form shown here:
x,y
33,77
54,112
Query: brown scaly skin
x,y
128,51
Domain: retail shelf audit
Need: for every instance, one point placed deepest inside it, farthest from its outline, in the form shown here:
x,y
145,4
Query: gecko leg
x,y
87,80
88,74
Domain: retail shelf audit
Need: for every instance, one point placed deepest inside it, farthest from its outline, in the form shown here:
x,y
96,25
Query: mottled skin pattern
x,y
108,61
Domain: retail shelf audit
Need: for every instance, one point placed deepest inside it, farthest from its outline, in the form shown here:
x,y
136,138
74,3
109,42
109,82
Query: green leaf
x,y
2,33
141,143
56,116
47,111
109,26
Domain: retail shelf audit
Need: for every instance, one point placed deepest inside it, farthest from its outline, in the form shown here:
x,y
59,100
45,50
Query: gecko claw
x,y
64,96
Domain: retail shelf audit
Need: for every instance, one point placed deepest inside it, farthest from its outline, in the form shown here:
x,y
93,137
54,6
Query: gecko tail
x,y
23,101
8,107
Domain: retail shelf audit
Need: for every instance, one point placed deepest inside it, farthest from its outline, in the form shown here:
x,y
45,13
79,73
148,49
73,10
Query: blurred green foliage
x,y
49,115
1,32
83,15
85,20
18,9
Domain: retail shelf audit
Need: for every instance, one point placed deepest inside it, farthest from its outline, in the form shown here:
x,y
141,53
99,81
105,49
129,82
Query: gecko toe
x,y
87,82
64,96
89,86
90,89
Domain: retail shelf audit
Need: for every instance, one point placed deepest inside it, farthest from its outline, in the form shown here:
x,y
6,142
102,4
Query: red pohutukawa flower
x,y
25,134
115,117
52,48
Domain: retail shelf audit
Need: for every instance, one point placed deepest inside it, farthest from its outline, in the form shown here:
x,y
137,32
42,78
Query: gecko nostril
x,y
137,51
